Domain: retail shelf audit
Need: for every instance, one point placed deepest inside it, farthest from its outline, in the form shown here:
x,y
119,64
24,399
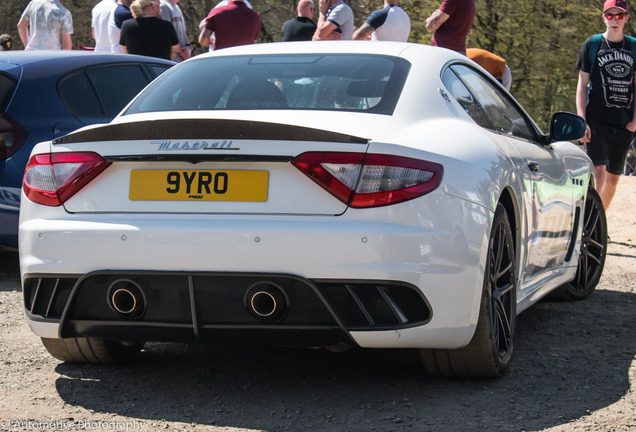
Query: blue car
x,y
47,94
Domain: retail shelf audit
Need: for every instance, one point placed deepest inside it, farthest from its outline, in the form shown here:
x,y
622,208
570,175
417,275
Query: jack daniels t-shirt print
x,y
611,94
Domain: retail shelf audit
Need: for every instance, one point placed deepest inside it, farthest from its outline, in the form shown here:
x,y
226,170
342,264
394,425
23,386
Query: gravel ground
x,y
573,370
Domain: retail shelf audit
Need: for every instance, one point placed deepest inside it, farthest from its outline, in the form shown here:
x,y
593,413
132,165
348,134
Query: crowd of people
x,y
146,27
143,27
605,95
137,27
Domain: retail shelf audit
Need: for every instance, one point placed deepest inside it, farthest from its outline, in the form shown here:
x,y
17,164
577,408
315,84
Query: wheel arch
x,y
508,199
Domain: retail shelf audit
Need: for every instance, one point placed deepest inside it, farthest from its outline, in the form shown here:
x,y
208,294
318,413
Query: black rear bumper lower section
x,y
228,308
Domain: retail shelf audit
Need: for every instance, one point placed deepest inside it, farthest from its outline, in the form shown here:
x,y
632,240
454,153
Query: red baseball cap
x,y
620,4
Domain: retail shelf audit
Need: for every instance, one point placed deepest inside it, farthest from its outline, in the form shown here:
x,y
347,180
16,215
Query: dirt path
x,y
573,370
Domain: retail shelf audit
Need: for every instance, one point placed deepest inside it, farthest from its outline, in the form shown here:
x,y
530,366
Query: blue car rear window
x,y
7,88
79,96
117,85
101,91
362,83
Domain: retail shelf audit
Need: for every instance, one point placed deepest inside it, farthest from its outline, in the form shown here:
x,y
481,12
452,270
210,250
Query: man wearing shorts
x,y
609,106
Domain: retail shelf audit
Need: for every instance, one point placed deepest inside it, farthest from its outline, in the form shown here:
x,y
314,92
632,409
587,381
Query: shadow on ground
x,y
570,358
9,271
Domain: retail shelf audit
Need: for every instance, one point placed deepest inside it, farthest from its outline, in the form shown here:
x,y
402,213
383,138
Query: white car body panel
x,y
310,246
289,190
436,243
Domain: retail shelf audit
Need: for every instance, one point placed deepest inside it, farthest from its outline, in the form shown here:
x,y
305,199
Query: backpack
x,y
596,43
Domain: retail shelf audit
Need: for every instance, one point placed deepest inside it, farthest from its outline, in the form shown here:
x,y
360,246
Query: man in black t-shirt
x,y
609,106
302,27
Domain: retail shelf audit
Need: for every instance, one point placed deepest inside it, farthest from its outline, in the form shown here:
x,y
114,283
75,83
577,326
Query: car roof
x,y
73,58
341,47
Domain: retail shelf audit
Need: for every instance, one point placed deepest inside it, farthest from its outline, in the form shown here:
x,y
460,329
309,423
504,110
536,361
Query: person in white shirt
x,y
170,11
114,30
99,22
46,25
390,23
335,21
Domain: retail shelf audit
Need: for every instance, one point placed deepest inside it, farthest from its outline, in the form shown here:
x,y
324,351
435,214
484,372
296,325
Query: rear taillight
x,y
371,180
51,179
12,136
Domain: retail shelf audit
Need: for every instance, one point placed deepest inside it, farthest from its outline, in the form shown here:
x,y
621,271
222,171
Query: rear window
x,y
79,96
367,83
101,91
117,85
7,88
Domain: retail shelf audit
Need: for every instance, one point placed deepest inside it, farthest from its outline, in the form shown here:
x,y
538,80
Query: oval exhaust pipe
x,y
266,302
127,299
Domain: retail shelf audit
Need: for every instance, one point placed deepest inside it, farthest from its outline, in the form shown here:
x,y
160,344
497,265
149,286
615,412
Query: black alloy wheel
x,y
502,284
592,252
489,352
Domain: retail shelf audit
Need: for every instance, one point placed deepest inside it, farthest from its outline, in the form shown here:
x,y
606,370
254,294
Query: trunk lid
x,y
214,166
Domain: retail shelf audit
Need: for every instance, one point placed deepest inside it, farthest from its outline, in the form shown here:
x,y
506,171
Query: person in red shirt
x,y
233,24
451,23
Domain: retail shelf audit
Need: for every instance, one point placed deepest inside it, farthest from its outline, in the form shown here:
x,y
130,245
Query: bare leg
x,y
605,184
599,171
609,189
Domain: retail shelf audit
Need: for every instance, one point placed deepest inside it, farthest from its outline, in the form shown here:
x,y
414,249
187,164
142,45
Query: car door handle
x,y
533,166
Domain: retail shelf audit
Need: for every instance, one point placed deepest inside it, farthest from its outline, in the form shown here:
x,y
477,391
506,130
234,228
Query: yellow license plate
x,y
198,185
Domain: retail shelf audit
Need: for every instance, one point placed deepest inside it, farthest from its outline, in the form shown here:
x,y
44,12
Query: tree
x,y
539,39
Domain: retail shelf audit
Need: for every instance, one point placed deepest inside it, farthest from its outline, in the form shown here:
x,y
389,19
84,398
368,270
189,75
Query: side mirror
x,y
565,126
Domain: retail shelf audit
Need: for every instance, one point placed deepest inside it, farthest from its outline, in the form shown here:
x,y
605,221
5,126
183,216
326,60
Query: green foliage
x,y
540,39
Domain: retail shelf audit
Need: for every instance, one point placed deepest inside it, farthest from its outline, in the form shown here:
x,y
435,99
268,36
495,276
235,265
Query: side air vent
x,y
575,230
376,306
47,297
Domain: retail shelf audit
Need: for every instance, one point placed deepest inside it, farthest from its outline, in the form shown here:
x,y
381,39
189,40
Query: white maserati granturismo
x,y
332,194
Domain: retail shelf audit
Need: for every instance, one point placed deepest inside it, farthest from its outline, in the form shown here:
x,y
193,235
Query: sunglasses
x,y
619,16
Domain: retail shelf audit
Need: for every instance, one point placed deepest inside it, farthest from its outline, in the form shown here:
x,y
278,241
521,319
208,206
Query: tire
x,y
489,352
88,350
592,253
